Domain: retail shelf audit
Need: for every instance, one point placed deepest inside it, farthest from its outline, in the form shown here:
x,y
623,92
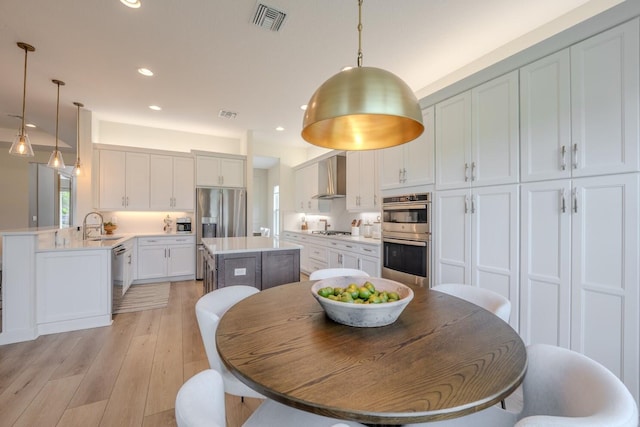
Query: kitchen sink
x,y
105,237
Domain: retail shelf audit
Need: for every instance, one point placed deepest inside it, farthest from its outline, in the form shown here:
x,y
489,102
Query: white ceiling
x,y
207,56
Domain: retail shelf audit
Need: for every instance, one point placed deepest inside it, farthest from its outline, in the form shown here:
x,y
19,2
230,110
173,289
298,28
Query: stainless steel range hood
x,y
332,178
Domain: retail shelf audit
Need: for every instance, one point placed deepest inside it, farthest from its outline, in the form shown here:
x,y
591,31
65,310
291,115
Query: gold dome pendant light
x,y
362,108
76,167
21,145
55,160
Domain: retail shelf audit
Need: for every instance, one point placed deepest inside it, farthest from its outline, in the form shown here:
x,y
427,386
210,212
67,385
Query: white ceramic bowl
x,y
363,315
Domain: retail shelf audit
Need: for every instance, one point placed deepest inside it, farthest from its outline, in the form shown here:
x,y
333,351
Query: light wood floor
x,y
127,374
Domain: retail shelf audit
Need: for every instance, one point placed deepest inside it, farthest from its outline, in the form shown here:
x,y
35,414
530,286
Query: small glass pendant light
x,y
21,145
76,167
55,160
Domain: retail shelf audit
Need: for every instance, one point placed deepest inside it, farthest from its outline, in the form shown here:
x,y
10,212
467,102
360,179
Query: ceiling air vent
x,y
268,17
227,114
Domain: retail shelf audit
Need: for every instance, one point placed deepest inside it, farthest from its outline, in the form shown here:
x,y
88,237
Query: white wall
x,y
165,139
14,191
261,195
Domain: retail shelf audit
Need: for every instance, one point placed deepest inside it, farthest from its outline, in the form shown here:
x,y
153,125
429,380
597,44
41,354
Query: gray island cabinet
x,y
262,262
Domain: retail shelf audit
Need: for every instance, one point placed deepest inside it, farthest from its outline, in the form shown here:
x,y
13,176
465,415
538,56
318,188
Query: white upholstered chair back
x,y
326,273
209,309
489,300
566,388
200,401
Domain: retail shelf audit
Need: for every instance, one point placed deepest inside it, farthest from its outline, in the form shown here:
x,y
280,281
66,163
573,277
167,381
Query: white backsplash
x,y
338,219
143,222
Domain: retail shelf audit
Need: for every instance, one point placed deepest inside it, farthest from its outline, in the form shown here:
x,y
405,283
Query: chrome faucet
x,y
85,231
325,223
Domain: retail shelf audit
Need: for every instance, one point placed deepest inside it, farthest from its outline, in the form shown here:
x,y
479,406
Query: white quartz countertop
x,y
105,242
228,245
347,238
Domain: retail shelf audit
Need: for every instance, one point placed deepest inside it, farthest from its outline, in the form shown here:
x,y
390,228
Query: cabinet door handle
x,y
122,200
404,175
127,201
466,205
375,200
466,172
473,171
563,202
400,175
575,200
169,251
473,205
575,156
563,160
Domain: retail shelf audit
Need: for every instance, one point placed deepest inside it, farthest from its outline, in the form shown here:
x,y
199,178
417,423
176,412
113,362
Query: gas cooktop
x,y
332,232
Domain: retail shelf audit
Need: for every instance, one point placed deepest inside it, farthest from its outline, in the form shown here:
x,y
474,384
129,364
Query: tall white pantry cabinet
x,y
579,252
577,216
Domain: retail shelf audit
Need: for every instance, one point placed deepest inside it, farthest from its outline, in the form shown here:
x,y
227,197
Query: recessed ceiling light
x,y
30,125
303,107
279,128
131,3
145,72
155,107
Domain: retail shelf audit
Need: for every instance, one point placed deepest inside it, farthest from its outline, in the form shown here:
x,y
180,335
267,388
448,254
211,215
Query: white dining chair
x,y
326,273
565,388
490,417
200,402
209,309
489,300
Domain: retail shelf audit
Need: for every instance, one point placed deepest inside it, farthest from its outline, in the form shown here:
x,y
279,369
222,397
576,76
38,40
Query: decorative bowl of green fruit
x,y
363,302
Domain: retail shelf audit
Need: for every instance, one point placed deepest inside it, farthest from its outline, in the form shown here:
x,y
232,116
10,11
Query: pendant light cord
x,y
360,33
24,90
78,134
57,114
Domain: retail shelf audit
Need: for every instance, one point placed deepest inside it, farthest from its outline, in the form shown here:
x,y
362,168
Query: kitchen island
x,y
262,262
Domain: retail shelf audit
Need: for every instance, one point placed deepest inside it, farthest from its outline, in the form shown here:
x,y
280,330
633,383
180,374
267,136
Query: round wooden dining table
x,y
443,358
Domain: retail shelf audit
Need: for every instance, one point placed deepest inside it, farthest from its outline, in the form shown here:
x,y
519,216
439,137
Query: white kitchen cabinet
x,y
605,280
307,187
123,180
476,240
477,135
604,102
545,118
73,290
412,163
171,183
165,257
362,179
220,171
345,254
580,269
545,281
299,239
579,108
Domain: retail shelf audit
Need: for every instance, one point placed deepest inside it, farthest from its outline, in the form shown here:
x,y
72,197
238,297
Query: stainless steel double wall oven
x,y
406,239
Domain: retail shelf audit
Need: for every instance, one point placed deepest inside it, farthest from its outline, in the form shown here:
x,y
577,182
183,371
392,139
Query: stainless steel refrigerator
x,y
220,212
